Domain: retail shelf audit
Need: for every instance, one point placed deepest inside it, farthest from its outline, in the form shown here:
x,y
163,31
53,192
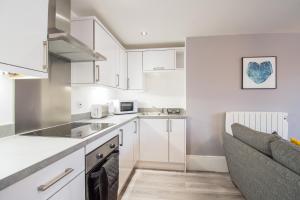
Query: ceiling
x,y
169,22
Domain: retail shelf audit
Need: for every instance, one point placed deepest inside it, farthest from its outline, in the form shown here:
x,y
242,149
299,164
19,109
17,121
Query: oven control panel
x,y
101,153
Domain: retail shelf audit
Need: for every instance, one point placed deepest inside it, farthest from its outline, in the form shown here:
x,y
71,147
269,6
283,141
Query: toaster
x,y
99,111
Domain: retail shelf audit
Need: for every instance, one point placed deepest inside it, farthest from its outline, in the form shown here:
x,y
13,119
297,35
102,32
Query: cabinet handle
x,y
45,57
122,137
118,80
128,81
158,68
135,127
167,129
46,186
97,73
171,128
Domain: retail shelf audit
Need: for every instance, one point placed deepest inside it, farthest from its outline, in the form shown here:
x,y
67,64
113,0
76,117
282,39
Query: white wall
x,y
7,100
162,89
84,96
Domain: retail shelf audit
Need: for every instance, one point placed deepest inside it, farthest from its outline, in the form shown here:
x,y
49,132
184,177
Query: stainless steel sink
x,y
153,114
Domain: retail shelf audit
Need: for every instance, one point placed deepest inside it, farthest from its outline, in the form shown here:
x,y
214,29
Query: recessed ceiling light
x,y
144,33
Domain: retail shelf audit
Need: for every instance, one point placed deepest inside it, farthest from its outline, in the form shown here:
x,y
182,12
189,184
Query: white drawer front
x,y
52,178
73,191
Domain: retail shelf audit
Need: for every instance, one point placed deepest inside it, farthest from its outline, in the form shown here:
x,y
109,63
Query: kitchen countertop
x,y
162,116
22,156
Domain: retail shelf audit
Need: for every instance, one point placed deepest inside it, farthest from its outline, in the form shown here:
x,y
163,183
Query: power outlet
x,y
79,105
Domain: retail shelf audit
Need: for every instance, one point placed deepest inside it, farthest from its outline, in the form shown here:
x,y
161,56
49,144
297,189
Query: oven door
x,y
102,183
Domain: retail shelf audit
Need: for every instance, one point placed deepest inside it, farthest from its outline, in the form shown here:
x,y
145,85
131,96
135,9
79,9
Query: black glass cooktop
x,y
72,130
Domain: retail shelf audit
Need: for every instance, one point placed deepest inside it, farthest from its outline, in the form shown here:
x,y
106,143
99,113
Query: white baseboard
x,y
206,163
160,166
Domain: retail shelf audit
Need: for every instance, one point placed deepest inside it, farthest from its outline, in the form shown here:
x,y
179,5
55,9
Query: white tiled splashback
x,y
162,89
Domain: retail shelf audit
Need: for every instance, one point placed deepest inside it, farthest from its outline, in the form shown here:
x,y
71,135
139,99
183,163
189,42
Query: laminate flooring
x,y
164,185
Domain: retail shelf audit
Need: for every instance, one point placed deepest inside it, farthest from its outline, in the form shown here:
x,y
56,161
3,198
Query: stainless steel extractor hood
x,y
60,42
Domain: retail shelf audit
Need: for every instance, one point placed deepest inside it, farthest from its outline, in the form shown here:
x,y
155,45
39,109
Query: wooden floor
x,y
162,185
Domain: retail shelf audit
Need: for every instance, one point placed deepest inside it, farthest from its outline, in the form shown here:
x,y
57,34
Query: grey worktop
x,y
32,166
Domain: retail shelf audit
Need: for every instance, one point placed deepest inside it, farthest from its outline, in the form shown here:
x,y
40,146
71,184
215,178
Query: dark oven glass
x,y
126,106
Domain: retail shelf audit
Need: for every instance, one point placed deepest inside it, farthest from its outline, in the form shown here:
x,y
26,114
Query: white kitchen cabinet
x,y
36,185
136,142
106,45
23,35
154,140
154,60
75,190
113,71
83,73
135,70
162,140
122,70
126,162
177,140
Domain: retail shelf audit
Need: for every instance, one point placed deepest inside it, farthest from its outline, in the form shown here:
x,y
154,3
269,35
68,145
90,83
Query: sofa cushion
x,y
258,140
286,154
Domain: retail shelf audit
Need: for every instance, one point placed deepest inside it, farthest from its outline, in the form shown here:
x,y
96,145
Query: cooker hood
x,y
60,42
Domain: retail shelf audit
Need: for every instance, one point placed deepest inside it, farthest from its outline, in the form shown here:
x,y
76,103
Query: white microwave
x,y
125,107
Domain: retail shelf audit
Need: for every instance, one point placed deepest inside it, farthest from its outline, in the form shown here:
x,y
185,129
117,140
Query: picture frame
x,y
259,72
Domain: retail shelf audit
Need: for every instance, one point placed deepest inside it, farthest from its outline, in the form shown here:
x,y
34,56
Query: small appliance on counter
x,y
173,111
99,111
125,107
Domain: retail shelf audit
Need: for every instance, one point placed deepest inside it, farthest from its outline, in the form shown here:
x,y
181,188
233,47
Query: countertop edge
x,y
162,116
22,174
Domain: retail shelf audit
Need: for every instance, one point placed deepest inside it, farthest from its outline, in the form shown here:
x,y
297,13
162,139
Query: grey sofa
x,y
262,167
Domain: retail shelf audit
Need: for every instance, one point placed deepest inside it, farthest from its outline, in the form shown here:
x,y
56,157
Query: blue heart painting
x,y
259,73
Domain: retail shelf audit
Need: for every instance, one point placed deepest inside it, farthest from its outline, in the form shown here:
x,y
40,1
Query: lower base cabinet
x,y
126,163
154,140
162,140
75,190
45,184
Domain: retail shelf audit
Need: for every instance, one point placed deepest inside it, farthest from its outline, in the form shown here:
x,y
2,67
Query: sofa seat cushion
x,y
258,140
286,154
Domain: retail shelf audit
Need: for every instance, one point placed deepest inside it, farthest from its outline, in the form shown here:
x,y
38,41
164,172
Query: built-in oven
x,y
125,107
102,171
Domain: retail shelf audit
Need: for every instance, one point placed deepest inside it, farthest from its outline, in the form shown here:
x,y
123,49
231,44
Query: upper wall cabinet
x,y
23,36
159,60
113,71
121,71
107,69
135,70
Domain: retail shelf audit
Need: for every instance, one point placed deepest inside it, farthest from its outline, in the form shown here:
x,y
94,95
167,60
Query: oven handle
x,y
122,137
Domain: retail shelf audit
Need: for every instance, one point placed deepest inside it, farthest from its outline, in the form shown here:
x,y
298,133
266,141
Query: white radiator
x,y
260,121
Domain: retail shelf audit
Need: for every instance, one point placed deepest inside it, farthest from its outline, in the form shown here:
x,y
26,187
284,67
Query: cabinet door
x,y
83,73
135,71
126,153
177,140
75,190
122,70
24,27
154,140
159,60
136,142
106,45
83,30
